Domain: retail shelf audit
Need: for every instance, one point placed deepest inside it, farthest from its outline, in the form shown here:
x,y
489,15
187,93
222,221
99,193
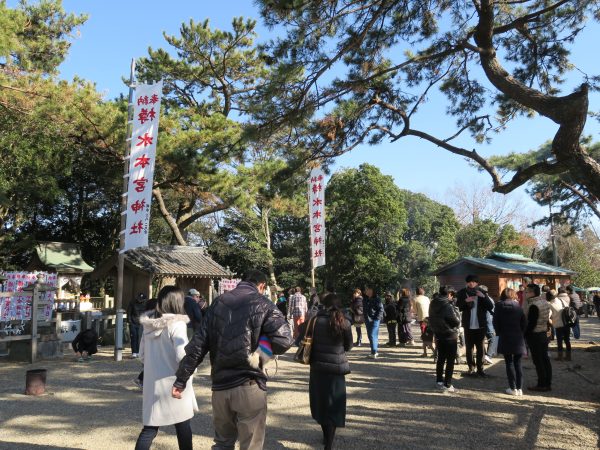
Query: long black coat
x,y
356,309
328,353
404,310
510,324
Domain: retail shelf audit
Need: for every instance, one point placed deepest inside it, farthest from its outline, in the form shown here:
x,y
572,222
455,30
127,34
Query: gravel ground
x,y
391,405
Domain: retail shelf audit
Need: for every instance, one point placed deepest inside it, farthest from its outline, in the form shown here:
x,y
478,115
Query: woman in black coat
x,y
358,318
405,318
510,324
332,338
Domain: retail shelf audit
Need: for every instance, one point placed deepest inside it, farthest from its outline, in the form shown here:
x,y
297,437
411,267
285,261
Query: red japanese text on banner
x,y
141,163
316,207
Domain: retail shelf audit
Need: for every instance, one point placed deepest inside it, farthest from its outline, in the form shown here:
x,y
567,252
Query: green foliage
x,y
571,201
578,251
483,237
35,36
366,220
60,144
207,165
430,239
240,243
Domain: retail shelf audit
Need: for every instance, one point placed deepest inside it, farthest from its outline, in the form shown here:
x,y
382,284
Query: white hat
x,y
193,292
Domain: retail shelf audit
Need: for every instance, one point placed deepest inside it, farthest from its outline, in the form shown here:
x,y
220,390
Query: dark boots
x,y
328,435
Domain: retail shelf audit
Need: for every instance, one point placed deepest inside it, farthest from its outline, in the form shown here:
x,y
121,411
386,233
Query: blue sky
x,y
119,30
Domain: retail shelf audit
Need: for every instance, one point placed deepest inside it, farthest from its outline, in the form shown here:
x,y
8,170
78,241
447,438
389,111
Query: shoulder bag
x,y
302,356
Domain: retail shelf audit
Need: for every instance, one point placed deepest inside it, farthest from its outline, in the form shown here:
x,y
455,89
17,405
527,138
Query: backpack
x,y
569,316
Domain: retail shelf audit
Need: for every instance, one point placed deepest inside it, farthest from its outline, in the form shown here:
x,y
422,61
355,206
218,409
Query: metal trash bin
x,y
35,382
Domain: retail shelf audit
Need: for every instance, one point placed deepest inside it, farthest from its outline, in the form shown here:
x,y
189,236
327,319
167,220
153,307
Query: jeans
x,y
475,338
514,370
373,334
135,333
577,330
563,334
538,349
446,354
184,436
492,349
391,326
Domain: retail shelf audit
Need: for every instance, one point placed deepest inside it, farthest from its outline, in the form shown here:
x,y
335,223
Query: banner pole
x,y
121,257
312,260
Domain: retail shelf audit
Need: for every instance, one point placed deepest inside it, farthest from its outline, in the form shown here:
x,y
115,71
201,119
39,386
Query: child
x,y
426,336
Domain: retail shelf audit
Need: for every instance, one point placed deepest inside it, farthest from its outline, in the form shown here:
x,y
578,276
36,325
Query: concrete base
x,y
46,349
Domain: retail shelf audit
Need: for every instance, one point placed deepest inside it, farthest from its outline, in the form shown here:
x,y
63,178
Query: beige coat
x,y
161,349
422,306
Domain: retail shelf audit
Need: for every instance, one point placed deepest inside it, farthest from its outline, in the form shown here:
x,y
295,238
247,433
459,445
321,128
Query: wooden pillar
x,y
34,320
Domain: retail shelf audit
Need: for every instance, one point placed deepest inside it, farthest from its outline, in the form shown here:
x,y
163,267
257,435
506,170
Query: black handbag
x,y
302,355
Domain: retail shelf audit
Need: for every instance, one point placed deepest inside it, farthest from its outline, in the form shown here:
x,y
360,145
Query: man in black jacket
x,y
134,310
193,311
230,331
474,303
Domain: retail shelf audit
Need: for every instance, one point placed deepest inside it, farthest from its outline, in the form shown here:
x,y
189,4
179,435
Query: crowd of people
x,y
242,330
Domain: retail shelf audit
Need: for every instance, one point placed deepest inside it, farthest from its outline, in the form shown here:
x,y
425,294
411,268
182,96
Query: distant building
x,y
501,270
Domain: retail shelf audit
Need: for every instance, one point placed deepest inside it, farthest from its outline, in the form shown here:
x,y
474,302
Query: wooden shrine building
x,y
160,265
503,270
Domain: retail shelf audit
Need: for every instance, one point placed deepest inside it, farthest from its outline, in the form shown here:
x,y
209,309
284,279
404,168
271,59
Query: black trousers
x,y
514,370
135,334
391,326
359,334
446,355
538,348
563,335
184,436
475,338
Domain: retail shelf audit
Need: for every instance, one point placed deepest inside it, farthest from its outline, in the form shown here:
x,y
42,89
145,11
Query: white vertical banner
x,y
316,208
141,163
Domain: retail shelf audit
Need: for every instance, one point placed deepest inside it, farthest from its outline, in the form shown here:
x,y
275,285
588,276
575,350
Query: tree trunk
x,y
267,230
569,112
168,217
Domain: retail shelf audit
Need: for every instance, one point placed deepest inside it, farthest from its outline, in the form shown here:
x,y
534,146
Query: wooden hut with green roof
x,y
503,270
62,258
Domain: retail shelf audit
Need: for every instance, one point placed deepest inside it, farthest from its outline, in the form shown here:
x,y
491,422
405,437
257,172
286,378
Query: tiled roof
x,y
62,257
176,261
524,266
519,267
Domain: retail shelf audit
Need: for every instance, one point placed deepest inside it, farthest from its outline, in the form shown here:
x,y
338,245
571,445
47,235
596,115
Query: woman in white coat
x,y
163,341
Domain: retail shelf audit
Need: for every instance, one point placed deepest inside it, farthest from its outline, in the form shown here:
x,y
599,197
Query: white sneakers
x,y
514,392
135,355
487,359
451,389
373,355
